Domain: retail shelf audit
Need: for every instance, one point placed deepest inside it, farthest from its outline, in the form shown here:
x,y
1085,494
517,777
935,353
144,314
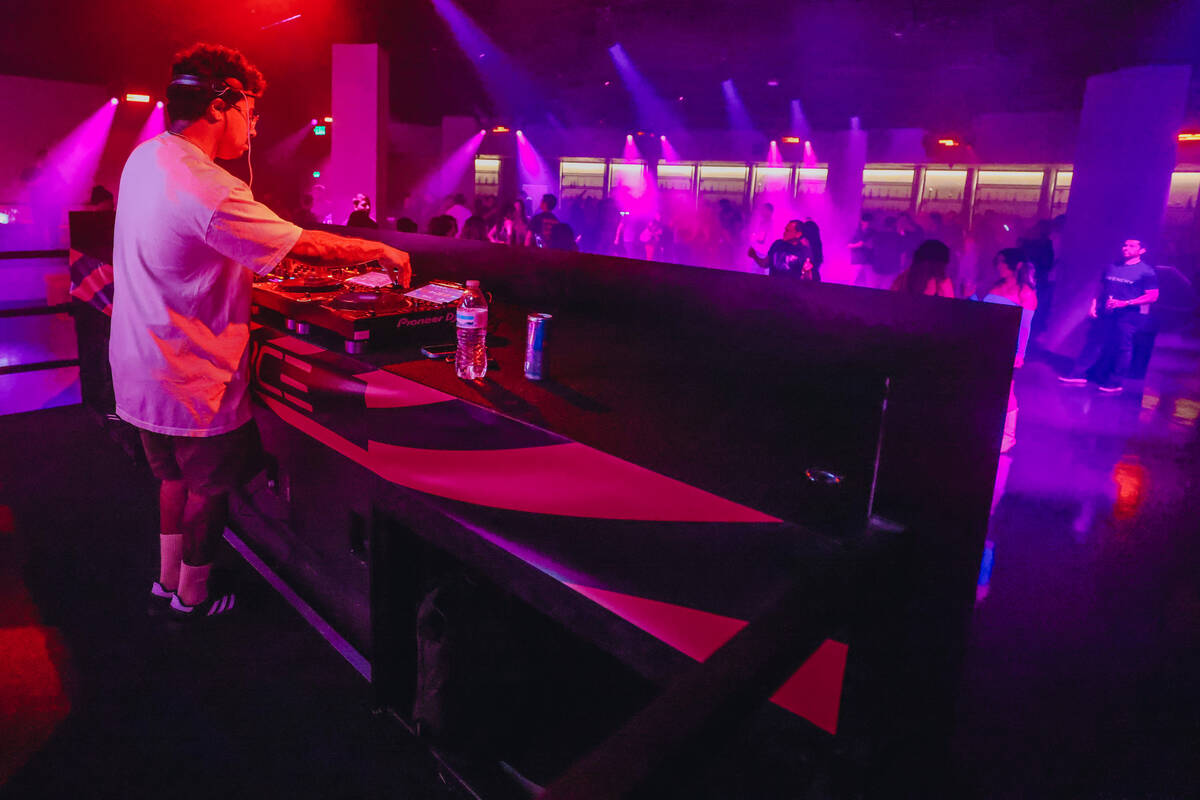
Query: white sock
x,y
170,556
193,583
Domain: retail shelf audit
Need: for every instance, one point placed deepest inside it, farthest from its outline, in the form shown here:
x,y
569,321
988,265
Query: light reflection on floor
x,y
30,340
1080,672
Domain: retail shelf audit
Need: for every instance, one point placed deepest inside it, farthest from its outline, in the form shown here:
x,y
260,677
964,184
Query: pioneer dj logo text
x,y
405,322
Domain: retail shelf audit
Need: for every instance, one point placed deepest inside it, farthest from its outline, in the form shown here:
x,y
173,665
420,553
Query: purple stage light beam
x,y
67,173
669,153
631,151
739,117
773,156
810,155
799,123
289,146
509,87
446,175
652,111
532,169
72,163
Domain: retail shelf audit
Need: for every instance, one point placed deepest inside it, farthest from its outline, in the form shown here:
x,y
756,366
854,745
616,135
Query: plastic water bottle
x,y
470,360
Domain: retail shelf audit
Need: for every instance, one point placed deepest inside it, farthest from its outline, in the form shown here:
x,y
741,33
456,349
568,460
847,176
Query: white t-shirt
x,y
188,235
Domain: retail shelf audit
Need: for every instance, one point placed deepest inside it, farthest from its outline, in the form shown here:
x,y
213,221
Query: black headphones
x,y
218,88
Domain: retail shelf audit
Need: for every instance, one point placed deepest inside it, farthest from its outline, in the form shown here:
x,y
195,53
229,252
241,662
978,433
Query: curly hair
x,y
211,62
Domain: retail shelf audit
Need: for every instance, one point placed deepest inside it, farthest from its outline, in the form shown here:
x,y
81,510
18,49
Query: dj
x,y
189,238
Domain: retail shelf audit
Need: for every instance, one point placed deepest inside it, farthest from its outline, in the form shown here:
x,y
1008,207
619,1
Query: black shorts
x,y
209,465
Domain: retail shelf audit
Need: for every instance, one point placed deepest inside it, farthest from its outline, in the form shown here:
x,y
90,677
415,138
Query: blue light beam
x,y
739,117
653,113
510,89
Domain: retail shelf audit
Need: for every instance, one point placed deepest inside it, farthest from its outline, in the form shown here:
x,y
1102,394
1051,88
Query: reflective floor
x,y
1082,673
1083,669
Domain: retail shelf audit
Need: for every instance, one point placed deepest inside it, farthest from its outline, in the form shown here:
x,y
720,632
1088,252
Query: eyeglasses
x,y
250,115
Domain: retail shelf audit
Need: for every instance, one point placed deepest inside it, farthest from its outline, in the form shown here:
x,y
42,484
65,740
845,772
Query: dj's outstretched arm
x,y
322,249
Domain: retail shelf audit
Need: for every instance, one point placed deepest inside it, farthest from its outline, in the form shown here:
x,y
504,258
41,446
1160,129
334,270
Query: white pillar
x,y
1123,162
358,159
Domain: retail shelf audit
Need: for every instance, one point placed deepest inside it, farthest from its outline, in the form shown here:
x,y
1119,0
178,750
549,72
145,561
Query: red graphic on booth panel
x,y
564,479
570,479
814,691
91,281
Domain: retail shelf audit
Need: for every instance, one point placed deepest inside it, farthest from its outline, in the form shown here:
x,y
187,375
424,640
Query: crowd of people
x,y
719,233
714,234
999,259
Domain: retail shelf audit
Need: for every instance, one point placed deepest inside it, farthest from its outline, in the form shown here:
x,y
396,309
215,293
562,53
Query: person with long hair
x,y
513,228
1016,286
927,273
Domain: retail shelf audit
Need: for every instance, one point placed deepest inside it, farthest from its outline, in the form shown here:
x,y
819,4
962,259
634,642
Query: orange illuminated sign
x,y
790,140
137,98
500,129
948,142
1189,137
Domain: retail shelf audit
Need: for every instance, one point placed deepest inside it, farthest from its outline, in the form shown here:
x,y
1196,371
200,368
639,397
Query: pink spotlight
x,y
631,152
313,122
773,156
532,169
445,176
71,165
668,152
156,123
520,133
159,104
810,155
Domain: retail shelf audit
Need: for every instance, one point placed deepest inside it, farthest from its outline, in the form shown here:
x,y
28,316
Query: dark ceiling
x,y
924,63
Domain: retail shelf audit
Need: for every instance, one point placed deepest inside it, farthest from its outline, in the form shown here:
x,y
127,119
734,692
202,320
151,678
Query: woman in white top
x,y
1015,287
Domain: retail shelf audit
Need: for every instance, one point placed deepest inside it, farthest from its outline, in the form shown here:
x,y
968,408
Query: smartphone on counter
x,y
438,350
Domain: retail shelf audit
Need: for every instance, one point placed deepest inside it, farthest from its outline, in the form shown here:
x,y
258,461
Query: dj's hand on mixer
x,y
396,264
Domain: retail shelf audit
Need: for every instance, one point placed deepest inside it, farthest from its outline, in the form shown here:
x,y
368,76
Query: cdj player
x,y
357,303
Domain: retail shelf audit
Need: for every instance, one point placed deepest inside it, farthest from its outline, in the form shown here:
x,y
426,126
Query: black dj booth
x,y
731,539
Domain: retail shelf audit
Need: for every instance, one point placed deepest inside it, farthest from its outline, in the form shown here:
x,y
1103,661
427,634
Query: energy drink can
x,y
535,346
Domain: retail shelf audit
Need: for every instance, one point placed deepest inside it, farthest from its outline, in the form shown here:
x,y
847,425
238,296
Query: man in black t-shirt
x,y
541,223
789,256
1120,309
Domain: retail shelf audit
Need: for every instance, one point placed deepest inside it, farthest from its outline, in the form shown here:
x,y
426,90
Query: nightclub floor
x,y
1079,679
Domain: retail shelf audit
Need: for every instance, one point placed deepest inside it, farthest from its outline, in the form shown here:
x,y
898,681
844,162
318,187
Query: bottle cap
x,y
472,284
